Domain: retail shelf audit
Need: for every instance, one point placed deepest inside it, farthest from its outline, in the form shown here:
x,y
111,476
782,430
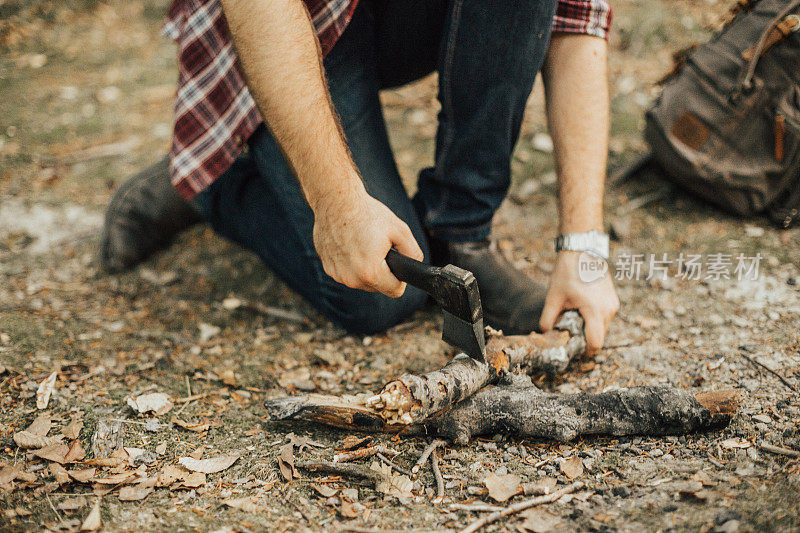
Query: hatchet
x,y
456,292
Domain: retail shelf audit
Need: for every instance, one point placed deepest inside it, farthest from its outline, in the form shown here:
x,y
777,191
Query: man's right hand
x,y
353,233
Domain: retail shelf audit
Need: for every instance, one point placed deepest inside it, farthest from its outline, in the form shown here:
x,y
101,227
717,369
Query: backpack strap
x,y
762,45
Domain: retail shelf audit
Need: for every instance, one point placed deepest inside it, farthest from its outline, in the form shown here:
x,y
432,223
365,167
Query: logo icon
x,y
591,268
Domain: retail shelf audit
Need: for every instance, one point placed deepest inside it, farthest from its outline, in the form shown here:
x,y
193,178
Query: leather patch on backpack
x,y
689,130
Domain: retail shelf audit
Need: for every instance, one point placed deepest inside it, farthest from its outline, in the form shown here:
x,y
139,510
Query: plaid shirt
x,y
214,111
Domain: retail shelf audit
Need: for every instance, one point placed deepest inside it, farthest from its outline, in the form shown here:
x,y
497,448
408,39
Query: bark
x,y
522,409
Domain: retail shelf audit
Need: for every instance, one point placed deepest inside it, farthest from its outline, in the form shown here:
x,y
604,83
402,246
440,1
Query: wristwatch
x,y
592,242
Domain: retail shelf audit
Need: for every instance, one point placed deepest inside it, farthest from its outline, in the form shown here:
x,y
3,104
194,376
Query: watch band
x,y
592,242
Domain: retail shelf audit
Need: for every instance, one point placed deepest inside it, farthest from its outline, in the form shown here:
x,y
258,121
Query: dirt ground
x,y
86,95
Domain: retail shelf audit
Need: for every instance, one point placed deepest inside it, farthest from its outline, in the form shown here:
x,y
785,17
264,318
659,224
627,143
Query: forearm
x,y
280,56
576,87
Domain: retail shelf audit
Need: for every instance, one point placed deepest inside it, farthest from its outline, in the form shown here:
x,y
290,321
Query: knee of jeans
x,y
366,313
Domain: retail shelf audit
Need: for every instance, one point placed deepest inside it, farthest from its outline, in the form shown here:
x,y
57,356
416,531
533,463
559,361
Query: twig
x,y
476,507
362,453
386,460
188,387
190,398
426,453
437,474
778,450
768,369
53,507
521,506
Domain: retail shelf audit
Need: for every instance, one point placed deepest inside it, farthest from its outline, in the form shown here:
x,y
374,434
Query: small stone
x,y
670,508
656,452
502,471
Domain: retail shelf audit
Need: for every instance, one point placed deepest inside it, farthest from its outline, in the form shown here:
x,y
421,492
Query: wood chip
x,y
351,442
45,390
210,465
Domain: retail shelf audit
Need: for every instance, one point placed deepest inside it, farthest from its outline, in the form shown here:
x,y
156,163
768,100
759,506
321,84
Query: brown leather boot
x,y
511,301
143,217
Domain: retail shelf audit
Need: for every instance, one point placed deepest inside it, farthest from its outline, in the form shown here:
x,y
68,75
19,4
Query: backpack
x,y
727,123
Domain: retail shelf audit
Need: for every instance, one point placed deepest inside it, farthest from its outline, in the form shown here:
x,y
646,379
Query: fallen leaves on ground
x,y
286,462
154,402
398,485
197,427
92,520
501,488
247,504
572,467
208,466
45,390
538,521
134,493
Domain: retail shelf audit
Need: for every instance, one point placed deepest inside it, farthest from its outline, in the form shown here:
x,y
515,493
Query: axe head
x,y
457,295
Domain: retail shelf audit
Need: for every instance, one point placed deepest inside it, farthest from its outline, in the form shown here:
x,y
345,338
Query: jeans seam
x,y
447,97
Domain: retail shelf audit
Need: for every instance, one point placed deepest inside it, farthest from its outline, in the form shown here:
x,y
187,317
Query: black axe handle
x,y
414,272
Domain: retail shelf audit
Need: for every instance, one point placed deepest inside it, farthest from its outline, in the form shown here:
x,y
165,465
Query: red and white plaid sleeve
x,y
590,17
214,111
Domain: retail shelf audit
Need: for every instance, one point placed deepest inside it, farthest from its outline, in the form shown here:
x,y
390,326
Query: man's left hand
x,y
593,296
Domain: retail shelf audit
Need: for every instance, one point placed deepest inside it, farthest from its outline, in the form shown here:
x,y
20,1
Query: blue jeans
x,y
487,53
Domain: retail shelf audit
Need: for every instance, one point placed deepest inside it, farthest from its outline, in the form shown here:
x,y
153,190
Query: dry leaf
x,y
198,427
115,479
572,467
391,484
324,490
40,426
348,510
210,465
170,474
59,472
286,462
82,476
247,504
154,402
134,493
72,504
29,441
92,520
73,430
161,448
76,453
501,488
54,452
45,390
192,481
538,521
9,473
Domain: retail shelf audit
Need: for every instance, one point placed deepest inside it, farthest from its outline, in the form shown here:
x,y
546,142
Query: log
x,y
522,409
411,398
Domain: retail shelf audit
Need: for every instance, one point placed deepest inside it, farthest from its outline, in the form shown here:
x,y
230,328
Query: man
x,y
317,194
